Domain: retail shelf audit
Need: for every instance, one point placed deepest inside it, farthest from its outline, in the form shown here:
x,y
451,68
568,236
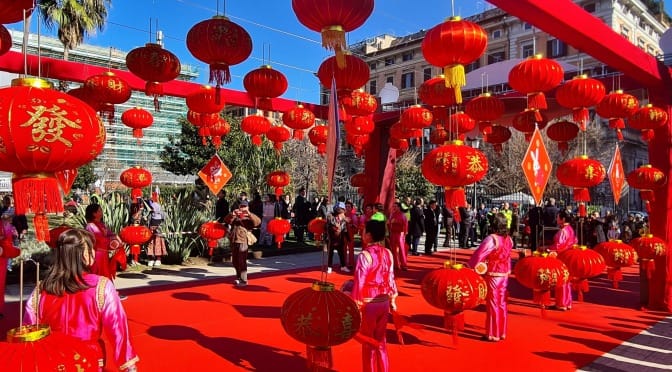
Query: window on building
x,y
556,48
590,7
527,26
641,43
408,80
389,61
373,88
650,50
426,73
528,50
389,79
407,56
625,31
496,57
496,34
472,66
372,66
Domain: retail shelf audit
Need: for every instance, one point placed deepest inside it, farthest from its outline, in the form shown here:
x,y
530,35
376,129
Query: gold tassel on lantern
x,y
319,358
456,79
333,38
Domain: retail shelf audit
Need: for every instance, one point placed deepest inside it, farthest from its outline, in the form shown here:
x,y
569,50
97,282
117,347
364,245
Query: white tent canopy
x,y
517,197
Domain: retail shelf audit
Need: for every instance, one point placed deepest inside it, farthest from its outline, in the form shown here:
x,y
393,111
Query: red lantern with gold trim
x,y
578,94
349,78
527,120
649,248
278,180
219,129
439,136
485,109
279,227
434,92
451,45
334,322
108,89
212,231
137,118
647,179
616,106
264,84
358,103
416,117
13,11
318,227
155,65
359,125
497,137
205,100
541,273
136,178
582,263
647,119
318,138
534,76
256,126
581,173
616,255
135,236
299,119
278,134
562,132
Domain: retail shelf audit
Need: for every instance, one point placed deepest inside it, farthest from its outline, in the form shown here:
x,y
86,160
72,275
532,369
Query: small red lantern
x,y
582,263
485,109
5,40
278,134
541,273
616,106
399,144
318,138
461,123
534,76
263,84
212,231
497,137
646,178
135,236
528,120
256,126
578,94
205,100
453,289
351,77
616,255
203,121
434,92
451,45
439,136
335,321
562,132
358,103
318,227
647,119
357,141
155,65
278,179
416,117
108,89
649,248
279,227
581,173
15,10
219,43
219,129
136,178
359,180
55,233
359,125
299,119
138,119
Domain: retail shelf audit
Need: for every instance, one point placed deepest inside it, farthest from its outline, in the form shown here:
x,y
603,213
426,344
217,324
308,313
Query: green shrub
x,y
181,225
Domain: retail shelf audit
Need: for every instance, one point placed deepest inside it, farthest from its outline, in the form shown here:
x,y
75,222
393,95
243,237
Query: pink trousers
x,y
3,281
495,319
374,325
398,246
563,295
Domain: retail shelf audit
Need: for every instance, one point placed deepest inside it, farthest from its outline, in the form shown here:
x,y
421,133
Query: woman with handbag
x,y
242,221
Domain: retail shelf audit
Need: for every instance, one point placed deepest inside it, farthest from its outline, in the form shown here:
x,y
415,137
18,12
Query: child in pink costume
x,y
563,240
375,292
495,252
398,227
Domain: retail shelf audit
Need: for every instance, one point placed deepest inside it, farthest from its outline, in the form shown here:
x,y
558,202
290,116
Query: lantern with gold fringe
x,y
647,179
541,273
534,76
649,248
582,263
616,255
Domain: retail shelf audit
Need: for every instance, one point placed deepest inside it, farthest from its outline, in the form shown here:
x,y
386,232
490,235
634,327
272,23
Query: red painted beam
x,y
78,72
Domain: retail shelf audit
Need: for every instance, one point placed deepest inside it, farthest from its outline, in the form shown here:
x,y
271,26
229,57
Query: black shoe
x,y
415,253
428,253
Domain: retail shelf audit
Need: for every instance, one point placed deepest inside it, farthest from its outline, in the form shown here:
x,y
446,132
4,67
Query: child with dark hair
x,y
563,240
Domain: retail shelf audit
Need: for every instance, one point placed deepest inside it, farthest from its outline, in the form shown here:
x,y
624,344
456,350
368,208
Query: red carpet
x,y
213,326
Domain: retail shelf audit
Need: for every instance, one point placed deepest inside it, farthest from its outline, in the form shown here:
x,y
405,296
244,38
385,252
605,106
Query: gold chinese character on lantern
x,y
475,165
454,294
347,332
48,124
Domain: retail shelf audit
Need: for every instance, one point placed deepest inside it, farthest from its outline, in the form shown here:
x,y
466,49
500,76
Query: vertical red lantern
x,y
649,248
5,40
534,76
108,90
320,317
279,227
318,227
485,109
256,126
582,263
278,134
155,65
219,43
263,84
562,132
616,106
578,94
299,119
616,255
451,45
318,138
581,173
137,118
212,231
278,179
218,130
205,100
647,119
135,236
136,178
541,273
348,78
647,179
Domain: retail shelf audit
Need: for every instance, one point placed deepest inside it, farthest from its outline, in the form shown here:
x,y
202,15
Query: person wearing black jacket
x,y
466,222
431,227
416,226
221,207
549,216
447,223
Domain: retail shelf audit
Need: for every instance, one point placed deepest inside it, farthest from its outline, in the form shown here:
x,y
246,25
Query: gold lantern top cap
x,y
32,82
28,333
323,287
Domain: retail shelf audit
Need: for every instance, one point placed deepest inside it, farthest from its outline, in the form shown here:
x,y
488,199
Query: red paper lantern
x,y
351,77
357,141
541,273
205,100
212,231
135,236
136,178
616,106
649,248
138,119
203,121
108,90
528,120
278,179
359,180
278,134
256,126
439,136
358,103
299,119
582,263
461,123
318,138
453,289
219,129
434,92
646,178
5,40
44,131
155,65
581,173
333,18
320,317
497,137
647,119
451,45
279,227
265,83
416,117
578,94
359,125
534,76
318,227
55,233
85,96
399,144
219,43
12,11
562,132
485,109
616,255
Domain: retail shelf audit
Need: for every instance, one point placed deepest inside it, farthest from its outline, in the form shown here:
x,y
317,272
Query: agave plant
x,y
181,226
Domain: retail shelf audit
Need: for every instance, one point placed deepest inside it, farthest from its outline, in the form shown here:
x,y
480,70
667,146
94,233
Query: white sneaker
x,y
150,263
157,263
329,270
345,269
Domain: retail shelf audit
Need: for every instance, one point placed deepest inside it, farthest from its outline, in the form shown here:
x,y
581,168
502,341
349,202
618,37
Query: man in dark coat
x,y
549,216
301,211
416,226
221,207
534,221
431,227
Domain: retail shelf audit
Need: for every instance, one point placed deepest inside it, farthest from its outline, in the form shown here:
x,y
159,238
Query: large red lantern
x,y
649,248
219,43
136,178
359,125
434,92
212,231
5,40
299,119
562,132
647,179
263,84
137,118
278,179
528,120
616,255
534,76
485,109
205,100
333,18
358,103
135,236
318,138
279,227
439,136
582,263
351,77
12,11
578,94
416,117
155,65
218,130
647,119
44,131
616,106
541,273
318,227
453,289
581,173
256,126
278,134
497,137
108,90
451,45
320,317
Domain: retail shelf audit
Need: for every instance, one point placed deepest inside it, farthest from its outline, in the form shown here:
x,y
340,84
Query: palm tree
x,y
75,19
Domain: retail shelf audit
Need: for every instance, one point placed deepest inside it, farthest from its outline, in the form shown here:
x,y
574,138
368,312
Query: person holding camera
x,y
242,221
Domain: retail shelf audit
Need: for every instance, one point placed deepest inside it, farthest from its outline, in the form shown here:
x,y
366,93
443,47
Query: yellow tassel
x,y
455,78
333,37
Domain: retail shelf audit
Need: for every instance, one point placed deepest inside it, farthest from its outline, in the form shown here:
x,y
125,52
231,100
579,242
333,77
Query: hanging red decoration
x,y
453,289
212,231
435,93
136,178
451,45
205,100
135,236
562,132
359,125
5,40
581,173
649,248
318,227
299,119
399,144
647,119
335,321
582,263
66,178
541,273
527,120
497,137
578,94
461,123
616,255
137,118
358,142
349,78
278,134
485,109
616,106
256,126
279,227
219,43
12,11
439,136
278,179
203,121
647,179
360,180
399,132
534,76
219,129
264,84
358,103
108,90
83,94
318,138
155,65
333,18
416,117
